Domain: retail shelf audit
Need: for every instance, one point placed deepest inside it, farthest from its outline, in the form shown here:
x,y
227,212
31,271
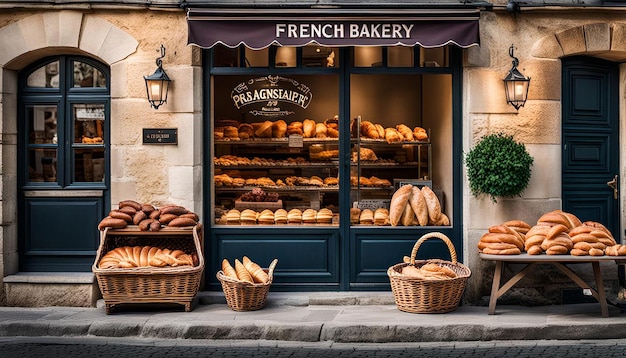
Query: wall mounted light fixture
x,y
516,84
158,84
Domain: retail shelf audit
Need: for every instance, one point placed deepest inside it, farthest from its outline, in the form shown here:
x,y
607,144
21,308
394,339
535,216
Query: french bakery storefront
x,y
315,118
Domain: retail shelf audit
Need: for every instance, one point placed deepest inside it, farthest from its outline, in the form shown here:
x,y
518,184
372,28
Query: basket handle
x,y
437,235
270,270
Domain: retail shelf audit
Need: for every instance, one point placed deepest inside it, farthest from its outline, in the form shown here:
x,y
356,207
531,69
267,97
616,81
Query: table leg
x,y
600,288
495,286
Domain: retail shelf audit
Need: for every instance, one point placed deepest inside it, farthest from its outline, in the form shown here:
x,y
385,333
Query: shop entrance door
x,y
63,162
590,139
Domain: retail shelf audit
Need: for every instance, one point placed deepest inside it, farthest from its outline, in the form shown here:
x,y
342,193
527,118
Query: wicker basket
x,y
150,284
246,296
416,295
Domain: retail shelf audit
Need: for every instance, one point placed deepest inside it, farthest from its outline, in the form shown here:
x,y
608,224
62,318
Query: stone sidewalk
x,y
317,317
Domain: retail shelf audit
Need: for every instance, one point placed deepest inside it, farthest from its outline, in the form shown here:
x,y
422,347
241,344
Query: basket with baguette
x,y
135,266
428,286
245,284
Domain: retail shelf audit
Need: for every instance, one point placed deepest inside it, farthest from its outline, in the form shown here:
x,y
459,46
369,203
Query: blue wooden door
x,y
590,139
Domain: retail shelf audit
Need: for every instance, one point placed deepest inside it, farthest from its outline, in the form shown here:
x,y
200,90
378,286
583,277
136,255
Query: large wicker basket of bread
x,y
134,265
245,284
428,286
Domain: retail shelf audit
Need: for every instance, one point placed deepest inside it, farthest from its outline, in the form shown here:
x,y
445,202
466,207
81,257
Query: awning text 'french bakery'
x,y
344,30
258,31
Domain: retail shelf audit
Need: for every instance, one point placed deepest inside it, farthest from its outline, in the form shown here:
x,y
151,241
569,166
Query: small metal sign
x,y
160,136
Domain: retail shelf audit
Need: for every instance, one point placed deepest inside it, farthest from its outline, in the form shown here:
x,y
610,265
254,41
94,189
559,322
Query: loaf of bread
x,y
144,256
308,128
368,130
242,273
433,205
366,217
393,136
295,128
429,271
246,131
279,129
264,130
280,216
228,269
501,240
418,204
294,216
381,216
399,201
245,270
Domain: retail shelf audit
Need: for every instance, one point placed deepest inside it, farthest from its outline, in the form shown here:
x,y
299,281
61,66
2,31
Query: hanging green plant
x,y
498,166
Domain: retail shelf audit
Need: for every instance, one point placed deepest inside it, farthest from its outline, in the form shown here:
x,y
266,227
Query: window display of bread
x,y
248,217
406,132
367,217
295,128
145,256
321,130
381,216
233,217
393,136
264,130
232,160
280,216
355,215
231,132
279,129
399,201
368,130
294,216
324,216
259,195
309,216
308,128
266,217
246,131
420,134
364,154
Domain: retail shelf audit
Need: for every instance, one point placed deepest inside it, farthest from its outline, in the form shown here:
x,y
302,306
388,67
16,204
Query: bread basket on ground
x,y
246,296
168,284
420,295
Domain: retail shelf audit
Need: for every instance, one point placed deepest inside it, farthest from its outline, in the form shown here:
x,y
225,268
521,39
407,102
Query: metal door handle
x,y
613,184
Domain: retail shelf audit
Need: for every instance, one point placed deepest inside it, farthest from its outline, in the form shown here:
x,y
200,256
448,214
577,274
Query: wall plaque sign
x,y
160,136
271,96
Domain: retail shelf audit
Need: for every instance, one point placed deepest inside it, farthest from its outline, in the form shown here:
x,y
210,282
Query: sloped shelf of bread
x,y
329,188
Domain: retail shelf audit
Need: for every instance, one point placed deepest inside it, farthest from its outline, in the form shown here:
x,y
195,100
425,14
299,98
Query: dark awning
x,y
260,28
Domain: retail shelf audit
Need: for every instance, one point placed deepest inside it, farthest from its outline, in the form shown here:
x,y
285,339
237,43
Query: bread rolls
x,y
144,256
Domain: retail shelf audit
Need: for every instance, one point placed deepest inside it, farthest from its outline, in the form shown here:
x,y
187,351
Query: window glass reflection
x,y
42,165
86,75
46,76
42,124
88,123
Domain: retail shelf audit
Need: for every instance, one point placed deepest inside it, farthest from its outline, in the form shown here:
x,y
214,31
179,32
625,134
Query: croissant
x,y
228,269
242,272
257,273
393,136
406,132
144,256
368,129
308,128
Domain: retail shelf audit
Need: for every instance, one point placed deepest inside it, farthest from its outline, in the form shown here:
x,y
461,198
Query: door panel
x,y
590,140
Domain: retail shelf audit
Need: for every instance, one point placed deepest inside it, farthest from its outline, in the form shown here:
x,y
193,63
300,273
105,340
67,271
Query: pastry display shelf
x,y
273,141
329,188
279,165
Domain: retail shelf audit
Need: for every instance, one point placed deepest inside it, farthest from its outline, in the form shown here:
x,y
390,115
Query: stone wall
x,y
541,37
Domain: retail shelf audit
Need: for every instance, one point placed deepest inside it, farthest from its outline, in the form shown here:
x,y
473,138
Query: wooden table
x,y
559,261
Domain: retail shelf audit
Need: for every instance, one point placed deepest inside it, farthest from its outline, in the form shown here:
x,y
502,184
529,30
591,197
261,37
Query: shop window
x,y
64,112
434,57
257,58
368,56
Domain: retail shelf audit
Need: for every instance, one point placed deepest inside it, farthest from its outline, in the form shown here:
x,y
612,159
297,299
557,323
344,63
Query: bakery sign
x,y
271,96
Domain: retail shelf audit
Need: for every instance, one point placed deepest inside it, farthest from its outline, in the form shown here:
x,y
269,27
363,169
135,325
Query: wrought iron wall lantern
x,y
516,84
158,84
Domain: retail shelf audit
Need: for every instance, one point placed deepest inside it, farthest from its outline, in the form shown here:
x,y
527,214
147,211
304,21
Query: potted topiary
x,y
498,166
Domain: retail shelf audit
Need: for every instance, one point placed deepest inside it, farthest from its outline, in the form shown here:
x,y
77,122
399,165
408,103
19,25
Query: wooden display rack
x,y
150,284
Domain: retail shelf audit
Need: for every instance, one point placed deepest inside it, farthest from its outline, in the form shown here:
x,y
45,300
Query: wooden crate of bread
x,y
168,284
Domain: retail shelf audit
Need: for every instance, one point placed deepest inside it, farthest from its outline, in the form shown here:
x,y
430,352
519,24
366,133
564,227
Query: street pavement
x,y
316,318
48,347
